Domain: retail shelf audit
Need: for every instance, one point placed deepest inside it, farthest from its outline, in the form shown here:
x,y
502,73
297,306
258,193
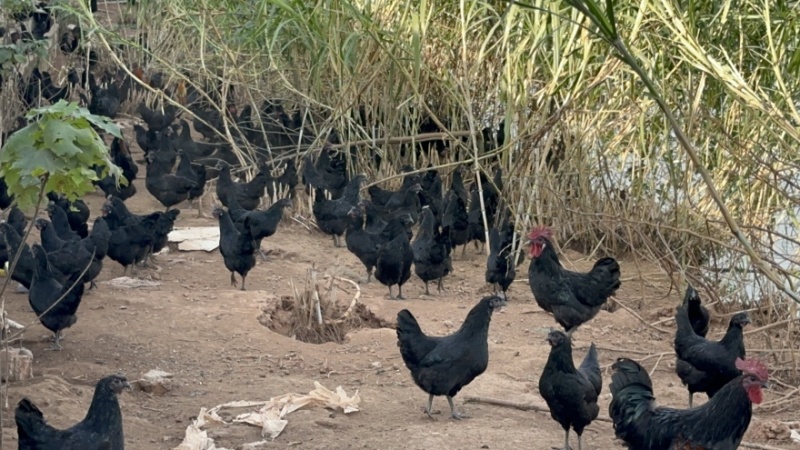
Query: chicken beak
x,y
765,385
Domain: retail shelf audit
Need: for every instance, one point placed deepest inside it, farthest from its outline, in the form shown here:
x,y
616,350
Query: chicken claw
x,y
56,343
429,409
234,283
453,413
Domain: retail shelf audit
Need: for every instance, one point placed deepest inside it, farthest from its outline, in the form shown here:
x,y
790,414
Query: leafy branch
x,y
60,148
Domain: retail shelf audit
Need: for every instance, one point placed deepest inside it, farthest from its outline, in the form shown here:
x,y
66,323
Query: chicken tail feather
x,y
632,397
590,368
29,419
410,338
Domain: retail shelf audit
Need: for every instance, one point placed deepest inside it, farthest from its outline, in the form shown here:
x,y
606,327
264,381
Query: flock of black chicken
x,y
378,231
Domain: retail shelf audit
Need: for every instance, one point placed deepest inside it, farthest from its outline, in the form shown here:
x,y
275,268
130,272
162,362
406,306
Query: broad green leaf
x,y
60,146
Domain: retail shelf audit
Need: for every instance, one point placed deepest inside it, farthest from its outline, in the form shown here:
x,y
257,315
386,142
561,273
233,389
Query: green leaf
x,y
61,147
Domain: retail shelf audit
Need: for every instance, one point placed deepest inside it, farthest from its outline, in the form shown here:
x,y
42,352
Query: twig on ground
x,y
519,406
635,314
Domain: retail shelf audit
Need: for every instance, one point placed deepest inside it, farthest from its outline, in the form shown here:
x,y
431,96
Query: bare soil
x,y
208,334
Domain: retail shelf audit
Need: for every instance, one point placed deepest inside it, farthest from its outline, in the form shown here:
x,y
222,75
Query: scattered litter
x,y
195,238
156,382
796,436
197,439
130,283
271,417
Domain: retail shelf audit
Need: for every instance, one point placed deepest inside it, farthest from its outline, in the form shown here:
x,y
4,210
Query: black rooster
x,y
718,424
101,428
573,298
570,393
444,365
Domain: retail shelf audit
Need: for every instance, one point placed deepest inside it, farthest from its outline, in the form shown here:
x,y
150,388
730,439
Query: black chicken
x,y
167,188
444,365
263,224
698,318
23,271
477,231
101,428
386,198
362,243
707,366
237,249
46,290
196,173
571,394
332,216
155,120
431,250
395,256
97,245
61,225
121,156
329,173
456,220
77,213
718,424
247,194
132,236
16,220
431,194
501,267
573,298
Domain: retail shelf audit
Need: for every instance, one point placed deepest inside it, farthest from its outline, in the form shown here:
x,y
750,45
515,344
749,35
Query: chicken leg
x,y
244,277
426,289
566,442
400,292
453,413
439,286
234,283
691,398
429,409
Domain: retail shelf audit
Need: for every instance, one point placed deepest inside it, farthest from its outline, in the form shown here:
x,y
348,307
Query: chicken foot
x,y
56,342
439,286
234,283
400,292
453,413
426,289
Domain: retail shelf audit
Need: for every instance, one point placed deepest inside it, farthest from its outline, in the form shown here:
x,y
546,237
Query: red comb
x,y
753,367
540,231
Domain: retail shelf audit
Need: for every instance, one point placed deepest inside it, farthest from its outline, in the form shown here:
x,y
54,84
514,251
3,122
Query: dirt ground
x,y
197,327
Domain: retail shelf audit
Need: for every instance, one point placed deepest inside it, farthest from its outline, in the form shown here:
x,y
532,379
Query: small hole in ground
x,y
297,316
